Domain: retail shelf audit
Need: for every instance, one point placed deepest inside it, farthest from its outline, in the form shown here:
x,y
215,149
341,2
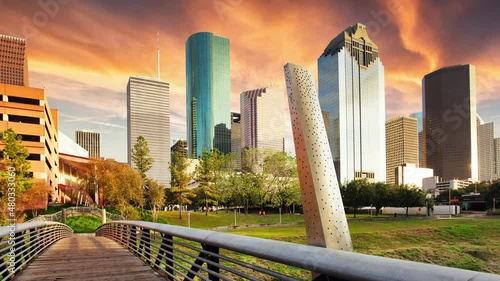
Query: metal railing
x,y
76,211
21,243
185,253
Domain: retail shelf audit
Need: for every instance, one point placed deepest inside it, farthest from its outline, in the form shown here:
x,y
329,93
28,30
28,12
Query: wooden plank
x,y
87,258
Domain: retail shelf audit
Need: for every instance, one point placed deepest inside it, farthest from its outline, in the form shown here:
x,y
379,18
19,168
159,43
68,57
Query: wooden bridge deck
x,y
87,258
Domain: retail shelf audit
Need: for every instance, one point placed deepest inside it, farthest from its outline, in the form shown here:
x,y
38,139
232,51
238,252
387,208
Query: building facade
x,y
90,141
262,119
13,61
410,174
497,158
486,151
352,98
26,111
148,115
236,138
208,103
401,138
449,111
421,151
181,147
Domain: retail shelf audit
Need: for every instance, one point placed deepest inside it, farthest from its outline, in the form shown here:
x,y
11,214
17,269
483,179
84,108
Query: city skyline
x,y
82,53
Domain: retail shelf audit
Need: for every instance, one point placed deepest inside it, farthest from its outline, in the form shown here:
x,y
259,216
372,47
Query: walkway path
x,y
87,258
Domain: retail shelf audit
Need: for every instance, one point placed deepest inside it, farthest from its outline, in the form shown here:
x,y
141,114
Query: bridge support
x,y
103,216
63,215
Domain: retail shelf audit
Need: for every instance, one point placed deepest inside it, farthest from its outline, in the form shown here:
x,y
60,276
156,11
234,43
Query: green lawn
x,y
84,224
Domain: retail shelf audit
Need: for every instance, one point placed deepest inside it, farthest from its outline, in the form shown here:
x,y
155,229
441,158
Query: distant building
x,y
181,147
486,152
433,184
352,98
90,141
401,138
13,61
421,150
208,98
148,115
497,157
262,119
449,103
26,111
410,174
236,138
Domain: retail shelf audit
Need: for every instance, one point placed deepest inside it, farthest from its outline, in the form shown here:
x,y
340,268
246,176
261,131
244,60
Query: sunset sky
x,y
82,52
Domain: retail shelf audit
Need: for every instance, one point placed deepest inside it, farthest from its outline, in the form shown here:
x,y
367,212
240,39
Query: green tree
x,y
281,174
13,164
210,173
246,189
356,193
180,180
493,192
156,196
252,164
407,196
382,195
141,158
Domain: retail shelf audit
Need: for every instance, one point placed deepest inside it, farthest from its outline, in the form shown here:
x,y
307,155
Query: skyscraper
x,y
262,119
13,61
91,141
486,151
236,138
497,158
352,97
401,140
449,111
208,103
148,115
421,151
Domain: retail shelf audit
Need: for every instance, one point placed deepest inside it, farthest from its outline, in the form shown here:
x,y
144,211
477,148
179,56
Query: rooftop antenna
x,y
158,55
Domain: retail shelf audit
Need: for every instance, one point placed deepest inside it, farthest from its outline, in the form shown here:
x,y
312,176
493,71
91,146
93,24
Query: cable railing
x,y
180,253
21,243
76,211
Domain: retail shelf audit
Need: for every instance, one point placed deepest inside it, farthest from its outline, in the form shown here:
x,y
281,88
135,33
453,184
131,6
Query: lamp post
x,y
449,201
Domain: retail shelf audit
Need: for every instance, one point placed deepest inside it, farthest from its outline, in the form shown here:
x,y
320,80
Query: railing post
x,y
166,250
63,215
147,245
103,216
132,242
212,258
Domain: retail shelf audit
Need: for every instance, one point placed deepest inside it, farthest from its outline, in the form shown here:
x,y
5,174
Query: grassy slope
x,y
83,224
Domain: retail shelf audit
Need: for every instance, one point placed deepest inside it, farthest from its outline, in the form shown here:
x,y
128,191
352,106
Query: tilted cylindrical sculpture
x,y
326,223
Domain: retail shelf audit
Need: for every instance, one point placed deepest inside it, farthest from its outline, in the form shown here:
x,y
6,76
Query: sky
x,y
83,52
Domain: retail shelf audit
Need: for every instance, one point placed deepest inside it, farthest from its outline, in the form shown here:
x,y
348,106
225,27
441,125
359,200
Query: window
x,y
34,157
24,119
30,138
24,100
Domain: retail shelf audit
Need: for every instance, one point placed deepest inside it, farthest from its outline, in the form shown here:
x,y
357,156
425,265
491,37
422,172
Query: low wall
x,y
438,210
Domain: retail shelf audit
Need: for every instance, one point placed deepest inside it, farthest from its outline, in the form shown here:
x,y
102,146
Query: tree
x,y
180,180
356,193
33,199
94,181
246,189
141,158
382,196
209,172
282,177
13,165
408,196
252,164
155,195
493,193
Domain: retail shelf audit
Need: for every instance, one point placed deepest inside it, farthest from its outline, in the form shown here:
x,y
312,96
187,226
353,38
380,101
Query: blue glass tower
x,y
208,103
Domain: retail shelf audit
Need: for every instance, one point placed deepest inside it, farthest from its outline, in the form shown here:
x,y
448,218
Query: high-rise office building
x,y
421,156
181,147
208,103
497,158
13,61
262,119
236,138
148,115
449,111
91,141
352,97
486,151
401,140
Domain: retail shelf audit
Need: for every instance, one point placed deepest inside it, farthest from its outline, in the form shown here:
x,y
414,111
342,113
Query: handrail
x,y
170,250
76,211
21,243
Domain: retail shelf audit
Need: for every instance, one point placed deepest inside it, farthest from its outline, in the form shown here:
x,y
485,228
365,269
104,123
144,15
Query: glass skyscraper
x,y
352,99
450,127
208,103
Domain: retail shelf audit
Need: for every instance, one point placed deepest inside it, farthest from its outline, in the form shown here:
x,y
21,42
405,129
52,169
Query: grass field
x,y
83,224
